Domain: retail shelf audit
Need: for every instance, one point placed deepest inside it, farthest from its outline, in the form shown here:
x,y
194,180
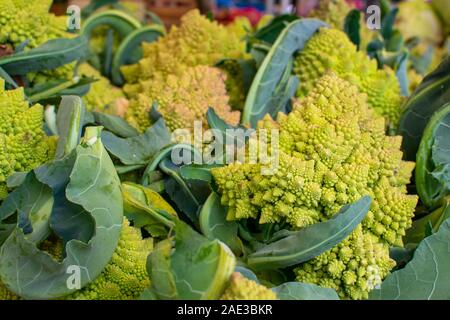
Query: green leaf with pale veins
x,y
304,291
270,81
432,175
430,96
426,276
33,201
130,51
69,122
115,125
138,149
200,268
94,186
214,225
300,246
50,55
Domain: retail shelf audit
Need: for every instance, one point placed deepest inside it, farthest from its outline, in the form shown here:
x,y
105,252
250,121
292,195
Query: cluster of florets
x,y
23,142
102,96
198,41
330,49
29,20
332,151
183,99
241,288
125,276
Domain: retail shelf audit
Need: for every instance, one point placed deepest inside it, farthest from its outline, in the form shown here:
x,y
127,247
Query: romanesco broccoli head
x,y
198,41
240,26
23,143
241,288
416,18
30,21
353,267
332,151
22,20
234,83
330,49
183,99
64,72
333,12
125,276
102,95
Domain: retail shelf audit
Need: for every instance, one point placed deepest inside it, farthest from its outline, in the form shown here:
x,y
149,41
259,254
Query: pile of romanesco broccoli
x,y
318,170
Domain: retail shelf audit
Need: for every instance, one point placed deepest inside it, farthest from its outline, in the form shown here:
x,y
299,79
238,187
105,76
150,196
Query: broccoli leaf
x,y
69,123
270,32
419,227
130,51
181,192
159,268
304,291
94,186
115,125
247,273
300,246
214,225
271,80
121,22
429,97
199,268
426,276
200,172
33,202
351,26
50,55
432,173
139,149
143,206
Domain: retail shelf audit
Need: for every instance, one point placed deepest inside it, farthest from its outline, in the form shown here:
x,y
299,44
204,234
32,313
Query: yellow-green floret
x,y
125,276
241,288
22,20
333,12
30,20
330,49
416,18
23,143
353,267
198,41
234,83
332,151
102,95
183,99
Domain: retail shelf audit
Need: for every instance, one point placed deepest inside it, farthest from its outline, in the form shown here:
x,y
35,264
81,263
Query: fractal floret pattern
x,y
241,288
125,276
198,41
330,49
333,12
183,99
332,151
353,267
29,20
29,23
23,142
102,96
